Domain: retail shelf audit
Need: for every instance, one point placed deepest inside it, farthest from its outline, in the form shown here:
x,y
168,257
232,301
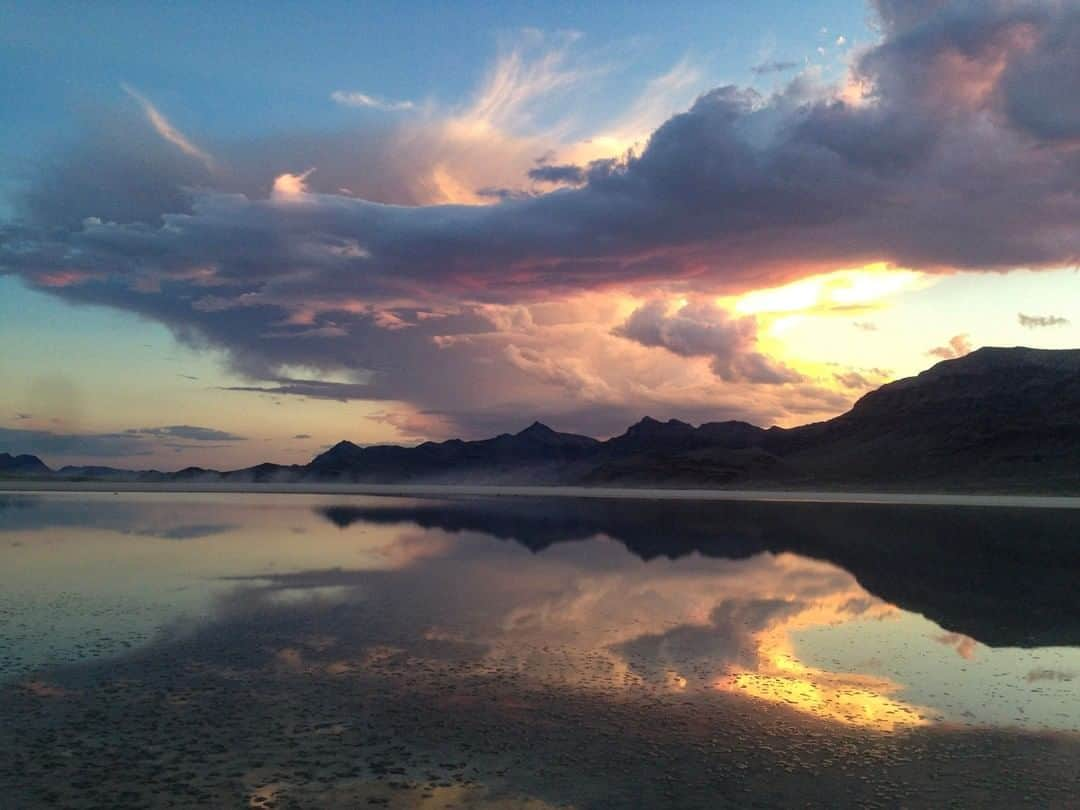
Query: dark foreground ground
x,y
268,712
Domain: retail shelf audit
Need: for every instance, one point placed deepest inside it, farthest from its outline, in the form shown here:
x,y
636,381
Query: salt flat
x,y
490,491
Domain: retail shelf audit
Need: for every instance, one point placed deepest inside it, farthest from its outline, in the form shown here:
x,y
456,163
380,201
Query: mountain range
x,y
997,419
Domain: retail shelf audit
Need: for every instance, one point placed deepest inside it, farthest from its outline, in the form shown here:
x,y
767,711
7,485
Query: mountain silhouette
x,y
998,419
23,465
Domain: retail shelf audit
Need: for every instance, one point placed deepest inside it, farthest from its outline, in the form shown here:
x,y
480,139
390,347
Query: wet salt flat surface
x,y
245,650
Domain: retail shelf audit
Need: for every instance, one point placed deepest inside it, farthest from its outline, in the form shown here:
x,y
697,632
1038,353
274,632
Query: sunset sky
x,y
240,232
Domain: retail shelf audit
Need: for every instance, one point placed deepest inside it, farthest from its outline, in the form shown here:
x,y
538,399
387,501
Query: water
x,y
300,650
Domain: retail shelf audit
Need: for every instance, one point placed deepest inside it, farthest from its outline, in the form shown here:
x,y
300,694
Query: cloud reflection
x,y
590,617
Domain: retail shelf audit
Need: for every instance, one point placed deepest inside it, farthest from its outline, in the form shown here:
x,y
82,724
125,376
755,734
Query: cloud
x,y
46,443
854,380
122,444
865,326
315,389
958,346
566,173
302,436
353,98
663,96
773,66
950,146
727,193
703,330
187,432
1038,321
167,131
290,186
531,72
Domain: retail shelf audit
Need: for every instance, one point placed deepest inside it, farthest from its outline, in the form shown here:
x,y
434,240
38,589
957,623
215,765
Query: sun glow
x,y
841,291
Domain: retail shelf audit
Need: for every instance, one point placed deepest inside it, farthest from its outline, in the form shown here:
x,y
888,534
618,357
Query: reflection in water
x,y
318,652
852,698
1003,576
936,561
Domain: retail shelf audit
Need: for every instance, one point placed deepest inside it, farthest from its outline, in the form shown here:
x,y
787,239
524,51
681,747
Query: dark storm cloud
x,y
917,175
567,173
503,194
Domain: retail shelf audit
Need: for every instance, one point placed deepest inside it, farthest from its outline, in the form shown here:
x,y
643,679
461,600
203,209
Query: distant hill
x,y
536,453
22,465
998,419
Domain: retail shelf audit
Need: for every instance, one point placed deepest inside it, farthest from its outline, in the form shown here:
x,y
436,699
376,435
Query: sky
x,y
240,232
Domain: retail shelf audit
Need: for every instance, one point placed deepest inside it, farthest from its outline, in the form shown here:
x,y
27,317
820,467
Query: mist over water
x,y
333,651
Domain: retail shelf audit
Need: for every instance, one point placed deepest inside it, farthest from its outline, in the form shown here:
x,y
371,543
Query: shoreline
x,y
611,493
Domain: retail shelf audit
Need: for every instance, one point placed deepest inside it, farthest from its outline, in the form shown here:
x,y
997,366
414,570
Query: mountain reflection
x,y
1005,577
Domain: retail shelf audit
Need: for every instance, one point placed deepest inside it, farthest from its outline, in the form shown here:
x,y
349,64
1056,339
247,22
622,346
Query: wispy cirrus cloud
x,y
166,129
354,98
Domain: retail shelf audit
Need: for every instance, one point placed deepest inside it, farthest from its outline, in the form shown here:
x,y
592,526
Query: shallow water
x,y
256,650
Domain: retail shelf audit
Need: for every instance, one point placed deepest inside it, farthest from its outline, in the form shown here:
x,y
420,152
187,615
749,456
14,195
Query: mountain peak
x,y
649,426
536,429
342,452
344,444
